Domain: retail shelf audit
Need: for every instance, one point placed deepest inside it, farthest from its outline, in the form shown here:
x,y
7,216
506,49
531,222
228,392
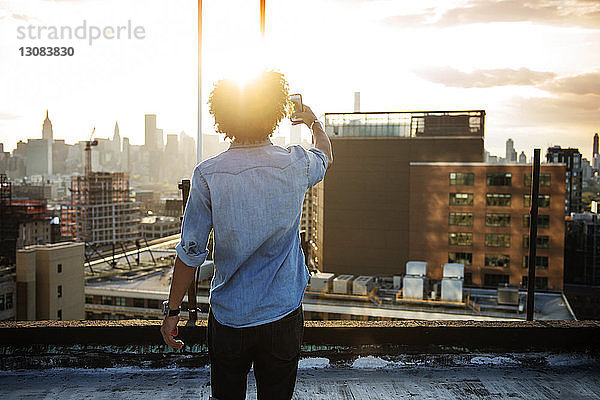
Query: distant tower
x,y
522,158
595,149
117,138
116,148
47,136
356,102
150,132
511,154
47,129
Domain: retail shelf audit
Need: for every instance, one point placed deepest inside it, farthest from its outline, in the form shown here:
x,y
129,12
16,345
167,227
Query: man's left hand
x,y
169,331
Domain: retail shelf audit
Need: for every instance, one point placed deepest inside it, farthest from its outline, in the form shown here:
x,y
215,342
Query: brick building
x,y
478,214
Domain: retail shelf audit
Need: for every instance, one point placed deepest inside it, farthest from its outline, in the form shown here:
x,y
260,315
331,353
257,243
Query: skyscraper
x,y
511,154
522,158
150,132
574,175
595,149
47,132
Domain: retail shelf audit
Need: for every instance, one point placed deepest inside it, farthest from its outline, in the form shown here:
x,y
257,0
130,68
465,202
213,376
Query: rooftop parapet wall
x,y
92,344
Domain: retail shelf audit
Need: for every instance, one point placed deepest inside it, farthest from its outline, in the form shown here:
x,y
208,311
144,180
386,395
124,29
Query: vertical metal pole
x,y
199,134
262,17
535,189
595,249
191,292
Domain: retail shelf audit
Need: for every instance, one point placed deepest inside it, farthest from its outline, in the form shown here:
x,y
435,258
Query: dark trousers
x,y
274,348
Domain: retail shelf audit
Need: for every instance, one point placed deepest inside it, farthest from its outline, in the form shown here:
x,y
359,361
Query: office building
x,y
150,132
522,158
511,154
574,175
595,145
477,214
361,209
50,282
582,249
39,157
156,227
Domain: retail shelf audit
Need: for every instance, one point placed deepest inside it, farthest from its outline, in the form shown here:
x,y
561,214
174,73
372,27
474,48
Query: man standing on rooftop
x,y
251,197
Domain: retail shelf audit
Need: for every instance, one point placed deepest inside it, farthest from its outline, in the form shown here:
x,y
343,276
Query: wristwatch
x,y
167,312
312,123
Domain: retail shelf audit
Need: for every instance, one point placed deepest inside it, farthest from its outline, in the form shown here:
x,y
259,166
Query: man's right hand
x,y
169,331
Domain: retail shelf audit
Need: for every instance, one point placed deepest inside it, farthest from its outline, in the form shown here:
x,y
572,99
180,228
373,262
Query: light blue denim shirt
x,y
251,196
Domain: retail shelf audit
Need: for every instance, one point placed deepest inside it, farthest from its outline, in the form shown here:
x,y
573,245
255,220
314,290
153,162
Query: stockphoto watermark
x,y
88,32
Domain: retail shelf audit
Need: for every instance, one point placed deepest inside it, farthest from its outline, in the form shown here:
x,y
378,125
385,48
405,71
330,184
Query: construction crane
x,y
88,153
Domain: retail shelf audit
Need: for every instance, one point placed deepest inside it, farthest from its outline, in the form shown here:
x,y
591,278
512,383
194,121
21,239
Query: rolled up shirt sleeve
x,y
317,165
197,223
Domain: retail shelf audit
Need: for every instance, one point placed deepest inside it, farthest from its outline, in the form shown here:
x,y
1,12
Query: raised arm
x,y
321,140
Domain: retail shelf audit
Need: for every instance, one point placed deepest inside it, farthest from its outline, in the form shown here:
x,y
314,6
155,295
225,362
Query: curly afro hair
x,y
251,112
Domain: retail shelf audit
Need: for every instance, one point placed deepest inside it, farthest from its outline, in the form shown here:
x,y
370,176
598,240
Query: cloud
x,y
484,78
565,111
573,13
21,17
582,84
5,116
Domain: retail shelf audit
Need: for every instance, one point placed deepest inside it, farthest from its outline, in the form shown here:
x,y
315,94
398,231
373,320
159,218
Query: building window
x,y
107,301
542,242
497,199
154,303
59,268
497,240
468,279
89,299
544,180
2,302
497,260
138,303
59,315
461,199
59,290
499,179
495,279
461,258
460,238
541,262
458,218
543,200
119,301
543,221
9,301
541,282
461,178
497,219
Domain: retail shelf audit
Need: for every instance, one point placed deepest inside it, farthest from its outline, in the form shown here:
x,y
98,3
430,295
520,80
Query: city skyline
x,y
532,67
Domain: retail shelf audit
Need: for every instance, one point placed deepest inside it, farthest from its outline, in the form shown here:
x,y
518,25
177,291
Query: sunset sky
x,y
534,66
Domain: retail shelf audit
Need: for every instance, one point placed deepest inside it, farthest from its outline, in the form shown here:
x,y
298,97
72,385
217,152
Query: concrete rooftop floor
x,y
367,378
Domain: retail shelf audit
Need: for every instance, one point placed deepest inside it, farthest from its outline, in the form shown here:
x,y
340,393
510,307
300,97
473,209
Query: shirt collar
x,y
265,142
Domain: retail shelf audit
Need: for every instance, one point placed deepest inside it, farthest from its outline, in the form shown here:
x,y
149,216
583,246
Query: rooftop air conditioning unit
x,y
453,270
418,268
508,295
413,287
452,289
363,285
321,281
343,284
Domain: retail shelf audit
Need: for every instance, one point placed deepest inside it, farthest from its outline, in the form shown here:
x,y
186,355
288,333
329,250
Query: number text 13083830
x,y
46,51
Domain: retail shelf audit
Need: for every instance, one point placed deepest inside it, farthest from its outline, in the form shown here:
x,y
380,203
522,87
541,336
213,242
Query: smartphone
x,y
296,99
